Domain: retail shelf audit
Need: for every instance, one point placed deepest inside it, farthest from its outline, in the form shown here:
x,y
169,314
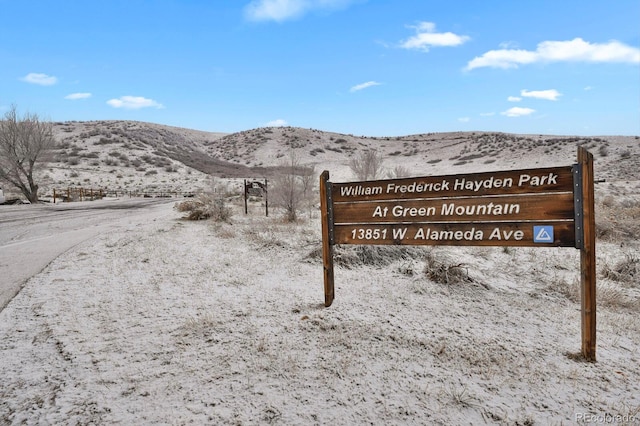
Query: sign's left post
x,y
327,242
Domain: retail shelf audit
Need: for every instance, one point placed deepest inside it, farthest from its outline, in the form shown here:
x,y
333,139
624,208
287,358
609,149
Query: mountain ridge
x,y
143,156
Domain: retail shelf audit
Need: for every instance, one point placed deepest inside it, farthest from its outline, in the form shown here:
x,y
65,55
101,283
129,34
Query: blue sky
x,y
375,68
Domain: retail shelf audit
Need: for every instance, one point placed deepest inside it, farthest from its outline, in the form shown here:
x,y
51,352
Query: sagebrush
x,y
205,206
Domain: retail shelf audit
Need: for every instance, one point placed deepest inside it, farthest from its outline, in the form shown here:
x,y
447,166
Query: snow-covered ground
x,y
167,321
31,236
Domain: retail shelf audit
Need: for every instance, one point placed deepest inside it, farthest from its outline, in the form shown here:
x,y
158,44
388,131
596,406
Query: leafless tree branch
x,y
24,144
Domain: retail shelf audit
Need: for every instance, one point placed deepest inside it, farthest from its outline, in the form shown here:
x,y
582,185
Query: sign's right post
x,y
587,255
244,188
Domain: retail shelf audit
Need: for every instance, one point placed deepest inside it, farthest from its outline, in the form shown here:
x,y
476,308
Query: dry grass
x,y
266,236
205,206
224,231
461,396
366,255
626,270
568,289
618,221
612,295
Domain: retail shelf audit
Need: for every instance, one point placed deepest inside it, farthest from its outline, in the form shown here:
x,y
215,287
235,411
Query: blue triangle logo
x,y
543,234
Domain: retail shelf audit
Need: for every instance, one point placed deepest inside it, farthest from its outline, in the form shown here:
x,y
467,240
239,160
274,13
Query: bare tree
x,y
292,186
367,165
308,180
24,145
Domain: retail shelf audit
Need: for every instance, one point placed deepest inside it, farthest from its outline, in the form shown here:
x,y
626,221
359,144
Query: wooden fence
x,y
90,194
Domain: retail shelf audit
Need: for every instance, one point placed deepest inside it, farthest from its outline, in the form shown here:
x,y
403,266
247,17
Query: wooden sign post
x,y
545,207
326,208
585,217
257,189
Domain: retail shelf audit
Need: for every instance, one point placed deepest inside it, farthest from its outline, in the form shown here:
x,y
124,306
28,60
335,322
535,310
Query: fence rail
x,y
90,194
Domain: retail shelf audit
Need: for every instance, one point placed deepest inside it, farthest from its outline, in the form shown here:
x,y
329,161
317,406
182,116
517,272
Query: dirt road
x,y
31,236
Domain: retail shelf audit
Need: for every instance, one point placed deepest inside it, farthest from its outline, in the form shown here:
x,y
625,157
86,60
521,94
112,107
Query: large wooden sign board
x,y
545,207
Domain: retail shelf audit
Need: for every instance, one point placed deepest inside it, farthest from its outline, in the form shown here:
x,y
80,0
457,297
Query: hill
x,y
137,156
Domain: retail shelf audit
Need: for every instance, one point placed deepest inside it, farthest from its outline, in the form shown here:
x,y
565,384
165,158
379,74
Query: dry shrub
x,y
293,187
367,165
461,396
205,206
399,172
407,267
618,221
224,231
607,294
626,270
606,230
268,237
314,255
570,290
612,296
439,268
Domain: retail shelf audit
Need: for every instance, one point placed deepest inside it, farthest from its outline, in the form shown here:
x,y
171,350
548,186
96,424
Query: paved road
x,y
31,236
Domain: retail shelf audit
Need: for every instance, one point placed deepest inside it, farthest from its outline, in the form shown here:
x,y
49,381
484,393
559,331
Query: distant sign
x,y
256,188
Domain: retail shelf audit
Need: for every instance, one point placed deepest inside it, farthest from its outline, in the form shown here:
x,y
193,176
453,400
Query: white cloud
x,y
364,86
576,50
464,119
277,123
282,10
514,99
134,102
586,89
39,78
502,59
76,96
508,45
550,95
427,37
518,112
487,114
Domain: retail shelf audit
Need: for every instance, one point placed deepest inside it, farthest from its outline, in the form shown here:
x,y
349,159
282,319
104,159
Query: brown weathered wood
x,y
246,208
491,183
508,208
588,257
417,211
458,234
266,198
327,245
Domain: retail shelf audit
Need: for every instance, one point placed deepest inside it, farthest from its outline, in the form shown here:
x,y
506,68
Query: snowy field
x,y
167,321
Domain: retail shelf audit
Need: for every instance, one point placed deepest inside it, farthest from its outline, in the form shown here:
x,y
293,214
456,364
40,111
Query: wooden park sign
x,y
545,207
256,188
